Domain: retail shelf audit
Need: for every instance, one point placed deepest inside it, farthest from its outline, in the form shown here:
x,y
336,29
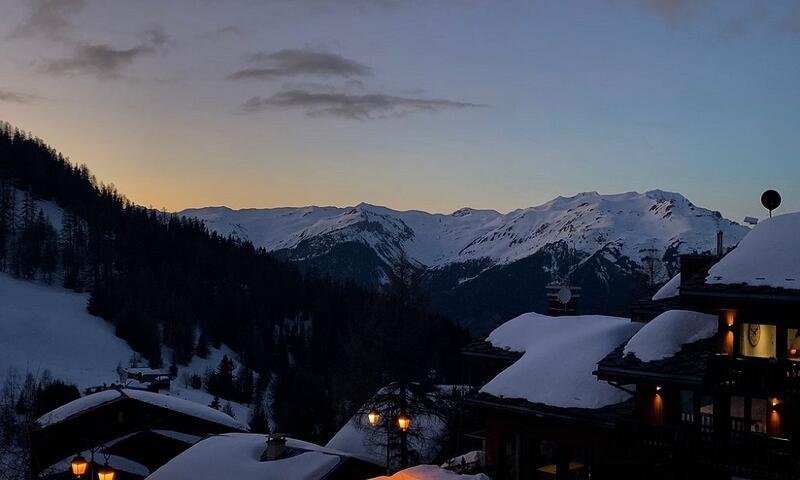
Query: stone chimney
x,y
276,447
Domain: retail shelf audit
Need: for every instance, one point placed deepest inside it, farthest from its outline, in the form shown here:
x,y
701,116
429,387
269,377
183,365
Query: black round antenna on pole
x,y
771,200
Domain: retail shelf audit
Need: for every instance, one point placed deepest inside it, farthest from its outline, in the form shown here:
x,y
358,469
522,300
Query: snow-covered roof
x,y
669,289
94,400
77,406
664,336
238,455
767,256
560,356
430,472
185,406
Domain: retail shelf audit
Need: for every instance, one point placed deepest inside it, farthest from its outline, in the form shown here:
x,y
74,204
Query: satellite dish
x,y
771,200
751,220
564,295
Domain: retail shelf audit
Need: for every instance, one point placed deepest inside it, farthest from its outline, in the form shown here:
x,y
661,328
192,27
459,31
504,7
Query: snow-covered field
x,y
46,327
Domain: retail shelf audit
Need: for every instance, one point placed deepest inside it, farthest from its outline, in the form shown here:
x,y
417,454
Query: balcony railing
x,y
755,375
736,453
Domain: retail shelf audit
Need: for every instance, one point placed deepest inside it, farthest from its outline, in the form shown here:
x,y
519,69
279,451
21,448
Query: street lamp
x,y
80,466
403,422
105,472
373,417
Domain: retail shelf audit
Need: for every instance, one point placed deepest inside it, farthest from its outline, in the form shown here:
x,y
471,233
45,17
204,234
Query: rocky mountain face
x,y
480,266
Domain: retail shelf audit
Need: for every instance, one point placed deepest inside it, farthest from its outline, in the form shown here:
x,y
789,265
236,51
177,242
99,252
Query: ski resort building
x,y
705,385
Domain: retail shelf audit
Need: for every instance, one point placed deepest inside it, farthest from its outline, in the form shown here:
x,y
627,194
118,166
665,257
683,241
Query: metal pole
x,y
388,423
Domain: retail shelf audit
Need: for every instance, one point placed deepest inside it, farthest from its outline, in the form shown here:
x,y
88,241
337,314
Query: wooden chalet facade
x,y
722,407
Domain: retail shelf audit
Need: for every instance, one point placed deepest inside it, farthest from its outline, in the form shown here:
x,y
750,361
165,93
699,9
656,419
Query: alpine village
x,y
399,240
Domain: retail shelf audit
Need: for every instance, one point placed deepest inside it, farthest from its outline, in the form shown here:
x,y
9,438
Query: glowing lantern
x,y
79,465
105,473
775,403
373,417
403,422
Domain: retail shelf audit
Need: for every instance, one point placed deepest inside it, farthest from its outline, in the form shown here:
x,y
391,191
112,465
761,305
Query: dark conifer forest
x,y
161,279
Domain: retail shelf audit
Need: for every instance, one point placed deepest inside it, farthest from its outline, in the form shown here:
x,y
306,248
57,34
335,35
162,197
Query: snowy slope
x,y
48,328
628,224
44,327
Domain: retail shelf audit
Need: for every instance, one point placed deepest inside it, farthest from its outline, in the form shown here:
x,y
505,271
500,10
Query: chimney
x,y
276,446
719,244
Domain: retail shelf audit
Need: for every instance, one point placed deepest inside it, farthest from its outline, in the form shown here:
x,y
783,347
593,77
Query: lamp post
x,y
79,466
403,423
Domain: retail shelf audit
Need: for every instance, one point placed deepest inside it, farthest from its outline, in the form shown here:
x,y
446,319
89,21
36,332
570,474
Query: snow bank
x,y
430,472
769,255
560,354
77,406
186,407
46,327
670,289
664,336
237,455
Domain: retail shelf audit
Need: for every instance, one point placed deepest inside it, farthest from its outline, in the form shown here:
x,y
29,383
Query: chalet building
x,y
708,379
135,431
145,378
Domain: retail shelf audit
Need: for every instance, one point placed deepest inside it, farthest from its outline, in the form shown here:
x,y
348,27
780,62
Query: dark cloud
x,y
16,97
104,60
293,62
48,17
351,106
674,10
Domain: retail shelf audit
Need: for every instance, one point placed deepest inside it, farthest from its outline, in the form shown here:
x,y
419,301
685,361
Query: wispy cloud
x,y
294,62
352,106
48,17
104,60
11,96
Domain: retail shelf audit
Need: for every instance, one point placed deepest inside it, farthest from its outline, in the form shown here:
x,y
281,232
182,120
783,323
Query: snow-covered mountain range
x,y
625,230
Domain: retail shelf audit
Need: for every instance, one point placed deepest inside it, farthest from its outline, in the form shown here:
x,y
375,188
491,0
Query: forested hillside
x,y
165,280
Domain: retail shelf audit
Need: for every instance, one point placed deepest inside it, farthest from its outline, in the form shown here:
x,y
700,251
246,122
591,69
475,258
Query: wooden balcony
x,y
734,453
769,377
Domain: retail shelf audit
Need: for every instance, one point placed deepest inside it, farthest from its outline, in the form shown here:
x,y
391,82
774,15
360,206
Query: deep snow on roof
x,y
238,456
669,289
560,355
664,336
769,255
430,472
77,406
186,407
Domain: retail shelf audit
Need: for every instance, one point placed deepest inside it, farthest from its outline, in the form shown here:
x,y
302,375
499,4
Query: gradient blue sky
x,y
430,105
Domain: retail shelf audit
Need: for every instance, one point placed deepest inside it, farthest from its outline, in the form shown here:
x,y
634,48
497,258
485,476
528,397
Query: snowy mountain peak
x,y
631,224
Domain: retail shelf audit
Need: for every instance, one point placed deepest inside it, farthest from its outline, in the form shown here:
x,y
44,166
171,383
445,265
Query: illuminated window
x,y
758,340
793,344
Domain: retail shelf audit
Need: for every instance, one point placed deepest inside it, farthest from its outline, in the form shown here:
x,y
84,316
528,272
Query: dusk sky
x,y
412,104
